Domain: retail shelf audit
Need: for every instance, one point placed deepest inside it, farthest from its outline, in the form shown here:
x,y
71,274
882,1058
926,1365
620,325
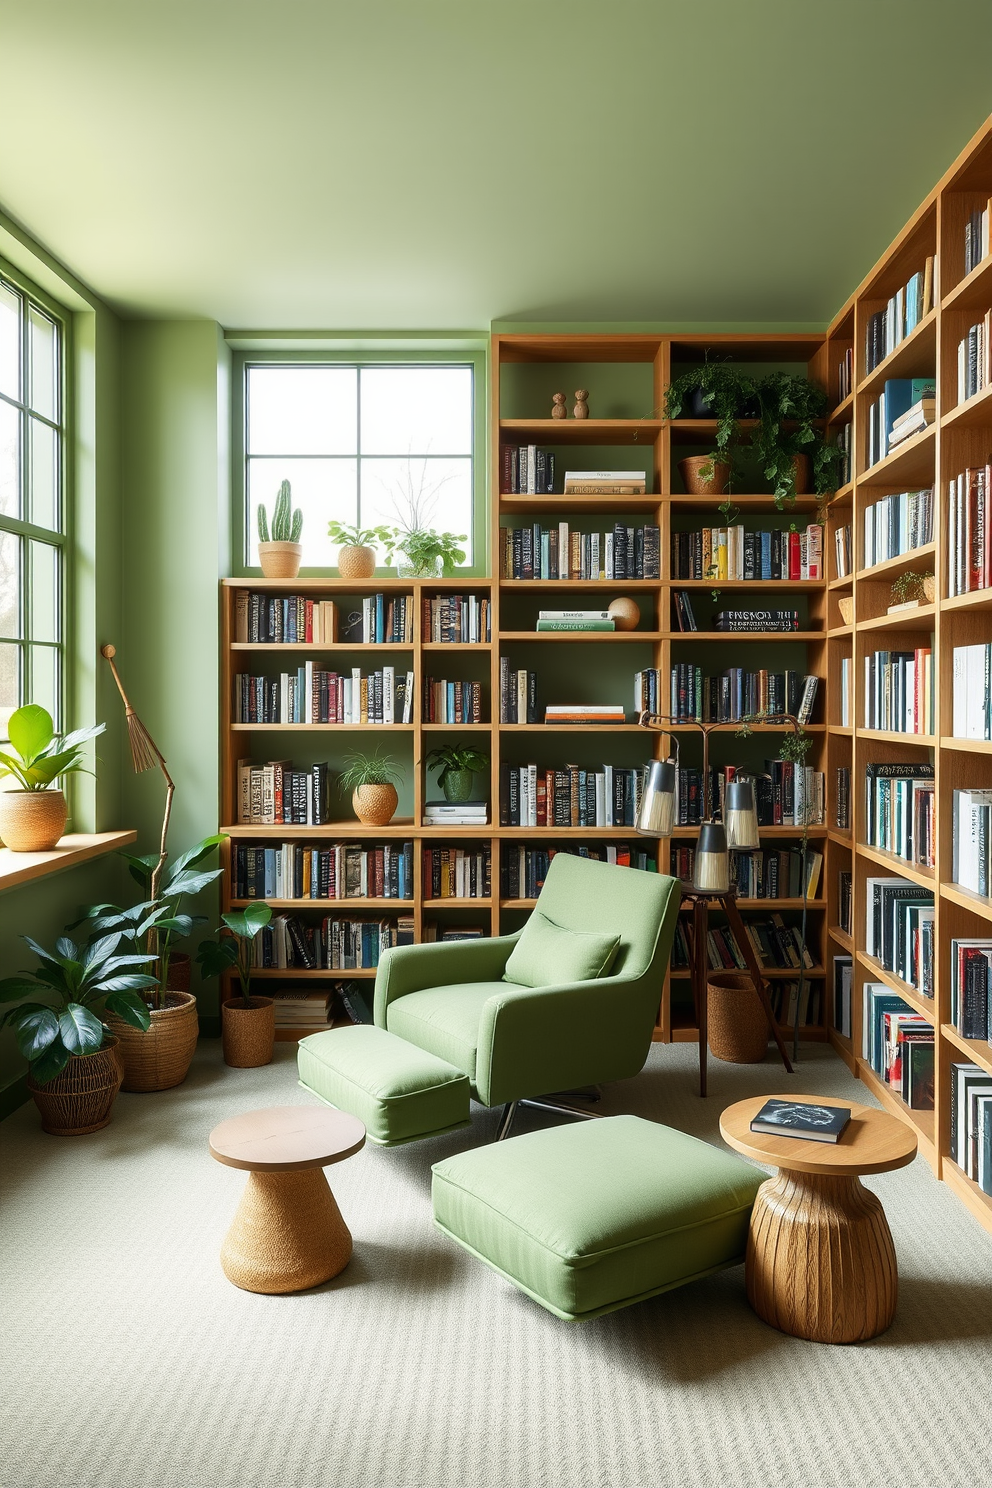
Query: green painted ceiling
x,y
448,163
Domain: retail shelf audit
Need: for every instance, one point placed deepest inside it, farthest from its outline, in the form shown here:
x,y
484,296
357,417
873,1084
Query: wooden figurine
x,y
558,409
581,409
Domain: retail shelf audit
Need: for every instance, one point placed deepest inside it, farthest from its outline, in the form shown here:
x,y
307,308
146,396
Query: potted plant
x,y
33,817
427,553
791,458
914,588
248,1023
372,779
160,1057
280,557
457,768
356,548
74,1073
706,475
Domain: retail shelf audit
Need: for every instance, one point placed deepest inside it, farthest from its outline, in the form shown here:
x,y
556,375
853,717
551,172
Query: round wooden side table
x,y
288,1233
820,1260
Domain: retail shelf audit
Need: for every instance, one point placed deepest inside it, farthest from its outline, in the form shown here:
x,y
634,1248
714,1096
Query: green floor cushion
x,y
592,1216
398,1091
445,1020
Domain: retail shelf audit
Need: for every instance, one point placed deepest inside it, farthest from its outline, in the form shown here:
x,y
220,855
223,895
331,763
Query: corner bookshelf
x,y
960,437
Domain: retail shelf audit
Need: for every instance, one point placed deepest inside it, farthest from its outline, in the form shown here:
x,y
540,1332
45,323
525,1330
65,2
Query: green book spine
x,y
575,625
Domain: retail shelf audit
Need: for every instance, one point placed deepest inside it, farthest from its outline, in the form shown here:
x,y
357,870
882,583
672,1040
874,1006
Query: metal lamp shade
x,y
740,815
656,817
711,871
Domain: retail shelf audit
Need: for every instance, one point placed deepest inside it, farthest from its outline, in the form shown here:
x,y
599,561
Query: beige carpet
x,y
130,1362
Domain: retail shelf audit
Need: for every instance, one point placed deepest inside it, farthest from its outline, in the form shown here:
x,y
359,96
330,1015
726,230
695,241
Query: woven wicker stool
x,y
288,1233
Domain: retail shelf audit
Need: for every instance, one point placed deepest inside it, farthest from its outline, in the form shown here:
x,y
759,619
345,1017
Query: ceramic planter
x,y
356,563
693,478
248,1033
280,560
81,1097
160,1058
32,821
458,785
375,804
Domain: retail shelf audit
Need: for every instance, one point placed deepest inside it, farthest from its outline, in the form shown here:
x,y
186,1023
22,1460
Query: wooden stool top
x,y
286,1139
872,1142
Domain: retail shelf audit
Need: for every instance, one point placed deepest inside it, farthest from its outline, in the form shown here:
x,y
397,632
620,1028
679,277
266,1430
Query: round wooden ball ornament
x,y
626,613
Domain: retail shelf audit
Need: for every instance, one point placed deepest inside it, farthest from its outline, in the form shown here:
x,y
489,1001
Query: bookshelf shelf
x,y
915,872
912,461
841,937
764,636
978,1051
920,618
972,413
893,736
974,292
311,648
552,587
978,599
842,411
979,904
556,502
326,728
967,1191
878,973
914,356
583,637
966,746
900,562
923,1121
580,431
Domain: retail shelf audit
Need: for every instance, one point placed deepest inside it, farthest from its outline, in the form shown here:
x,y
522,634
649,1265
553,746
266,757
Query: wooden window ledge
x,y
78,847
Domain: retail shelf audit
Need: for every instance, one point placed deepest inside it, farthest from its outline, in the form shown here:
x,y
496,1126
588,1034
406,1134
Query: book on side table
x,y
784,1118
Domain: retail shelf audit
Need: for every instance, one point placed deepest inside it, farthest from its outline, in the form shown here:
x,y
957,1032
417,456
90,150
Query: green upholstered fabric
x,y
444,1020
547,954
398,1090
590,1217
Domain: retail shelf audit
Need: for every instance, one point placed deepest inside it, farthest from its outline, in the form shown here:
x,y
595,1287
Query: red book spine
x,y
795,560
308,622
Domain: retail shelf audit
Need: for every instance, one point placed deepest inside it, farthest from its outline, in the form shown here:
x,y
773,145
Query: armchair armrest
x,y
404,969
541,1039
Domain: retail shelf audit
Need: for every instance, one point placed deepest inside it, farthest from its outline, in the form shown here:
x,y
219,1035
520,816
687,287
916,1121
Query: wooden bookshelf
x,y
961,436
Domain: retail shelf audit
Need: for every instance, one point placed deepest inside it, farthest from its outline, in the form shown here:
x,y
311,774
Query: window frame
x,y
242,527
62,537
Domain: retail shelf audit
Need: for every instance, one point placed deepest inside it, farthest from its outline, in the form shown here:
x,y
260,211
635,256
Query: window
x,y
32,505
373,445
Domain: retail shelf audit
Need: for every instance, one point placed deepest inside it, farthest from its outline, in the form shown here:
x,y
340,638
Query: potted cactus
x,y
280,556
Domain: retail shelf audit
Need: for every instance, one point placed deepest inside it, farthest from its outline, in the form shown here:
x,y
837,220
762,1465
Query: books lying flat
x,y
574,615
782,1118
605,483
584,713
456,813
573,624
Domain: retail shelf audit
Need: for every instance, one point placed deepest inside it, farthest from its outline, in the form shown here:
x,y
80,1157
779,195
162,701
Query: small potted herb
x,y
356,548
914,588
372,779
428,554
248,1023
33,817
280,557
457,768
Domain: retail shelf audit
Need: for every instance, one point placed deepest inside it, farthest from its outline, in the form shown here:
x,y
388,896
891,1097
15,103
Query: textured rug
x,y
130,1362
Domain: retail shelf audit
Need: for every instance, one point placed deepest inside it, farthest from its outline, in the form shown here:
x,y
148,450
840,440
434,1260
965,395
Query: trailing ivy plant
x,y
784,399
726,388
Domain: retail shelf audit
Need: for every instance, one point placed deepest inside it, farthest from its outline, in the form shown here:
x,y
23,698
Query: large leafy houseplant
x,y
789,408
233,949
33,816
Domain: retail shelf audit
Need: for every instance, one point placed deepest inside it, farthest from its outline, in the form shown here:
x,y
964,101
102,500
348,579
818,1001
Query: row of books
x,y
971,988
897,524
899,810
457,872
607,796
734,553
284,619
971,839
899,930
312,695
842,799
976,239
898,1043
385,620
769,873
776,944
274,794
334,945
524,869
755,621
517,693
456,619
559,552
905,405
971,691
845,899
334,870
783,792
969,531
451,702
526,470
791,1000
844,443
845,374
975,358
890,326
734,695
843,980
843,552
971,1122
899,691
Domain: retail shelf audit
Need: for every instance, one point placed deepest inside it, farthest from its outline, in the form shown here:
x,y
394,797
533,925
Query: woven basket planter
x,y
356,563
180,971
694,482
160,1058
737,1026
81,1098
375,804
32,821
280,560
249,1033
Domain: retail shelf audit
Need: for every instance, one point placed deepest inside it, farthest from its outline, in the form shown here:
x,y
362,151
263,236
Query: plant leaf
x,y
51,1063
15,988
36,1028
30,729
130,982
82,1032
196,854
190,883
131,1008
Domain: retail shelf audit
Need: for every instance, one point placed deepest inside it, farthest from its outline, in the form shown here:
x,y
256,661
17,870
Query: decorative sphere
x,y
626,613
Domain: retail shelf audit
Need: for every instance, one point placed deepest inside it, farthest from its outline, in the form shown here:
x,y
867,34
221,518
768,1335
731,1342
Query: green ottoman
x,y
590,1217
399,1091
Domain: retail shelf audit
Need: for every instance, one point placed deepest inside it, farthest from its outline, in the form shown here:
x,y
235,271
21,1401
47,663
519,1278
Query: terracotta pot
x,y
248,1032
626,613
738,1028
32,821
801,468
375,804
80,1099
458,785
356,563
693,481
280,560
160,1058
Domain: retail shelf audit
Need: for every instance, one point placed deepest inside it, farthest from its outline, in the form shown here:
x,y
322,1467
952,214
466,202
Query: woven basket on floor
x,y
80,1099
160,1058
248,1032
737,1028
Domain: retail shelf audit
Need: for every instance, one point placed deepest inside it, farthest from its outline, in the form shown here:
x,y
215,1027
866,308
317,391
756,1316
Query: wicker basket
x,y
375,804
32,821
280,560
80,1099
248,1032
356,563
160,1058
737,1026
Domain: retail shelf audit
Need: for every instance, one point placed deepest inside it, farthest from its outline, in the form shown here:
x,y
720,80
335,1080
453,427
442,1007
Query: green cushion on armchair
x,y
546,955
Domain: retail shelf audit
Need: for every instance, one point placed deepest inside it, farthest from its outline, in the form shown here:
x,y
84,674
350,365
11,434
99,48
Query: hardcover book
x,y
784,1118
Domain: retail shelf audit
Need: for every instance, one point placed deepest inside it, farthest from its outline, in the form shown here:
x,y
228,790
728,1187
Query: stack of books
x,y
897,524
899,810
974,353
744,621
969,531
605,483
293,1011
572,713
517,694
918,415
734,553
456,813
971,988
900,317
899,395
971,1122
281,620
971,839
585,620
899,930
971,691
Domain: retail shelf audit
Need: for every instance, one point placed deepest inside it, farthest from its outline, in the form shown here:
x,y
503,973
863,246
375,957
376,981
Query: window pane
x,y
302,410
10,692
10,460
44,561
416,410
419,493
322,489
10,342
44,475
45,679
44,364
10,584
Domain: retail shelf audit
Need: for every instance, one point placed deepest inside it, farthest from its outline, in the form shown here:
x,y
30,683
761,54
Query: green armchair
x,y
517,1043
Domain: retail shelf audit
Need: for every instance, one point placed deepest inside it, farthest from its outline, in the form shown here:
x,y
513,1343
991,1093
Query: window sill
x,y
78,847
